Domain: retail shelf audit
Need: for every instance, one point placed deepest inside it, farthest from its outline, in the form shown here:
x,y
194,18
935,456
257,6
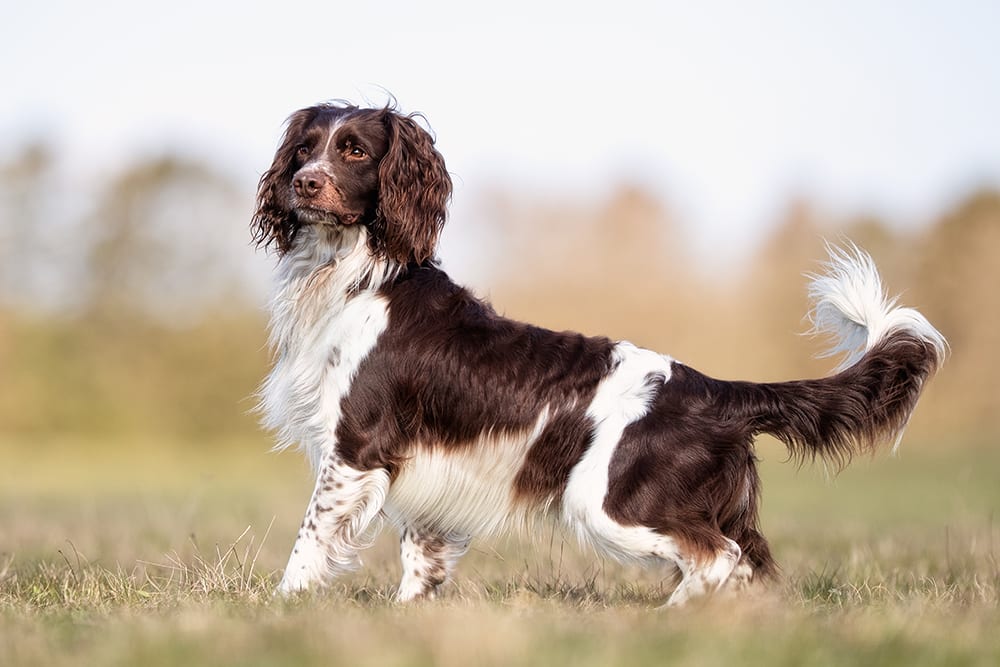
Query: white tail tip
x,y
851,307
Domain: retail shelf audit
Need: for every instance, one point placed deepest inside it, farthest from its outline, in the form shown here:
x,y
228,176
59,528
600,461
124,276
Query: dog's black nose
x,y
308,183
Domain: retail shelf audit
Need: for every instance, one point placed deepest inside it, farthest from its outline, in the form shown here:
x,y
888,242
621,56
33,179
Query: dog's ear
x,y
273,222
414,189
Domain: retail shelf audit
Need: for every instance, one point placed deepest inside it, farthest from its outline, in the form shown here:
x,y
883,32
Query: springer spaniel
x,y
415,400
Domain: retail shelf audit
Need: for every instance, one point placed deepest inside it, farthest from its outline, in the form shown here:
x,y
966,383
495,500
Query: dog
x,y
416,401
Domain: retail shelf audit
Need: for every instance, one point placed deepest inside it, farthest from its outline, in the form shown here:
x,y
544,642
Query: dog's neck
x,y
340,249
326,267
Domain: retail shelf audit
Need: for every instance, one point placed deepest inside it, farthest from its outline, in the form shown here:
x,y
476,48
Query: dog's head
x,y
342,165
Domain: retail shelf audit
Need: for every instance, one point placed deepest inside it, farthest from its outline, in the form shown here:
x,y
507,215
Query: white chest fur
x,y
326,316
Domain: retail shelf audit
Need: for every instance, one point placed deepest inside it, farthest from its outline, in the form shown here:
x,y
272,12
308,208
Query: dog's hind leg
x,y
428,560
344,503
741,578
707,574
705,568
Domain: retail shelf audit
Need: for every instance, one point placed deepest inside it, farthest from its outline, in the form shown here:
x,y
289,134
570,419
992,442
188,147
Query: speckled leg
x,y
428,560
741,578
343,505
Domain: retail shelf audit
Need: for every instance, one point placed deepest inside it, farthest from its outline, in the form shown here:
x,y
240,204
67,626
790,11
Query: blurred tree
x,y
959,272
776,293
604,269
957,282
892,250
28,244
165,241
638,239
630,238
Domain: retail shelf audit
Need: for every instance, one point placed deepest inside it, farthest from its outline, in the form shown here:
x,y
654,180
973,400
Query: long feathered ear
x,y
273,222
414,189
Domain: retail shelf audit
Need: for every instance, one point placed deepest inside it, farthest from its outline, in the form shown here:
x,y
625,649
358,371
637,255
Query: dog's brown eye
x,y
357,152
302,152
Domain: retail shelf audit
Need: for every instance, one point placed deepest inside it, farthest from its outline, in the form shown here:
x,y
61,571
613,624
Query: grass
x,y
167,554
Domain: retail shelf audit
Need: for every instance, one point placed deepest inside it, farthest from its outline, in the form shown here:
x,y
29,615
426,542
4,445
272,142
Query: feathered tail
x,y
890,352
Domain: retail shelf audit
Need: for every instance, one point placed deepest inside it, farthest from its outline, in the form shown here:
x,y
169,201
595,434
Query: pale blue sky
x,y
725,108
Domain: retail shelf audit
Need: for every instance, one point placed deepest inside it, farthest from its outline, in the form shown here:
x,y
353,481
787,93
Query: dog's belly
x,y
464,489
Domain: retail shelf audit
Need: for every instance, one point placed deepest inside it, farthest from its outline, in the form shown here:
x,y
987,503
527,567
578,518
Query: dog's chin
x,y
316,216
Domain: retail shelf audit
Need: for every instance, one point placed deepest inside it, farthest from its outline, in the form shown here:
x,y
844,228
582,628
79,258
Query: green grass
x,y
145,553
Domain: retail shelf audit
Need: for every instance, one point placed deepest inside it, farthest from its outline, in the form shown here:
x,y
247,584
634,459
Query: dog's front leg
x,y
343,505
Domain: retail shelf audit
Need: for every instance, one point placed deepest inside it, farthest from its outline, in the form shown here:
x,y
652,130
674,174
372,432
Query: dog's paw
x,y
291,586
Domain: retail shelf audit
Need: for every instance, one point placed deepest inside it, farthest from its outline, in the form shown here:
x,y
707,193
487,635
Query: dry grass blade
x,y
229,572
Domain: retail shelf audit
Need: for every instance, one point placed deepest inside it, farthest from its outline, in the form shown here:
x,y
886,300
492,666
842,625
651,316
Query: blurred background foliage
x,y
132,303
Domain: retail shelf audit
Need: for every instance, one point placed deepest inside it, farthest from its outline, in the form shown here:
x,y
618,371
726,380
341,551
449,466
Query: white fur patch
x,y
332,130
465,489
851,307
621,398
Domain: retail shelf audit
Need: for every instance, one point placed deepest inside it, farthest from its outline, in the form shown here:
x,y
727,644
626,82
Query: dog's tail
x,y
890,352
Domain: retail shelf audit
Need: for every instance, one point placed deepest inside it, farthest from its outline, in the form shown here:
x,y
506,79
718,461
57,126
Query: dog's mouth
x,y
317,216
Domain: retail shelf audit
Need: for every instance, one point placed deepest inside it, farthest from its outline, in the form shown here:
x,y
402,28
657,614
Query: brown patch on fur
x,y
448,369
561,445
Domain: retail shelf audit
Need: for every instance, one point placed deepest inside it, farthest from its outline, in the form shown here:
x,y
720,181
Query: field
x,y
167,553
144,522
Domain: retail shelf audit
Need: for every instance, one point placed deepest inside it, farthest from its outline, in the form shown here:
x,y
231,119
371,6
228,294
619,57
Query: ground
x,y
137,552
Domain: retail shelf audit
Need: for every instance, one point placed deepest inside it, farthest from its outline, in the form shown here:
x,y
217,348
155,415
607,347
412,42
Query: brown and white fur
x,y
416,401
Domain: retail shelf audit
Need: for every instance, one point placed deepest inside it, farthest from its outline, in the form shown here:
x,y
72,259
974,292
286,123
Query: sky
x,y
725,109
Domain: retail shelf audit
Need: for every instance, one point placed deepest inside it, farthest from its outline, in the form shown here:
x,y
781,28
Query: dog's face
x,y
341,165
336,168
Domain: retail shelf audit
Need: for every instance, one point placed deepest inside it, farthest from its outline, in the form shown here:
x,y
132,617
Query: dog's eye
x,y
357,152
302,152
